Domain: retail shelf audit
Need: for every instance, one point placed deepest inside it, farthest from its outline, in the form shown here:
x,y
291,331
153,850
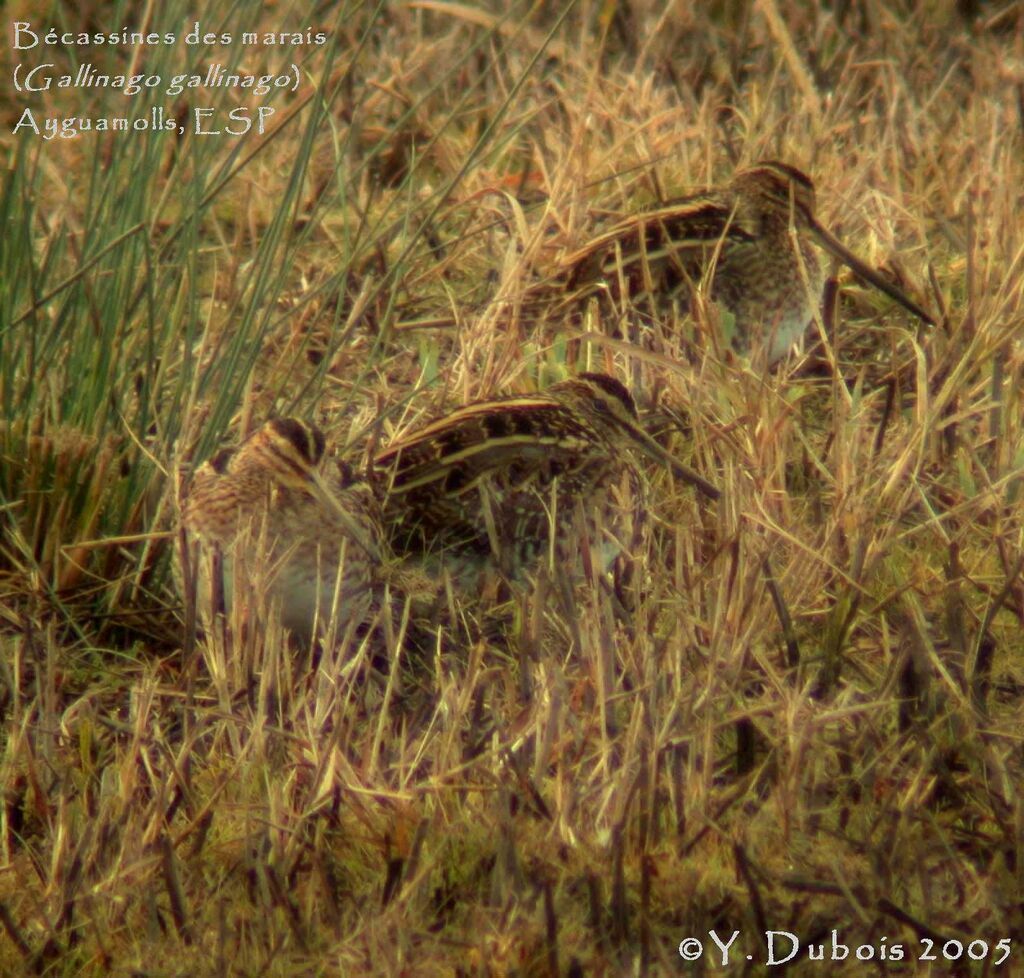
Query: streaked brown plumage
x,y
753,238
262,516
487,484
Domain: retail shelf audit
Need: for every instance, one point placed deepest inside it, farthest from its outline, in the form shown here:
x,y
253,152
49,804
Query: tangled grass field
x,y
809,717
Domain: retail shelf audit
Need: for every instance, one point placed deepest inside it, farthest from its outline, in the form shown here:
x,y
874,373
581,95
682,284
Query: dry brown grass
x,y
809,717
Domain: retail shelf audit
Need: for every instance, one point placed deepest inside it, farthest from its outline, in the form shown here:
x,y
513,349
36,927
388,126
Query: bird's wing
x,y
506,441
680,233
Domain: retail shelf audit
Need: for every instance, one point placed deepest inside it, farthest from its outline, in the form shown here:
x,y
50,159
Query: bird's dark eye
x,y
601,405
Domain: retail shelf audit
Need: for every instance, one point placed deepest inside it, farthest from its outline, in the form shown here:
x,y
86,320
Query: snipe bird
x,y
263,516
504,482
754,240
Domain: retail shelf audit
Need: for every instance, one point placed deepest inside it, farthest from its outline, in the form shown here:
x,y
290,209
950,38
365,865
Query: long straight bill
x,y
656,453
833,245
323,492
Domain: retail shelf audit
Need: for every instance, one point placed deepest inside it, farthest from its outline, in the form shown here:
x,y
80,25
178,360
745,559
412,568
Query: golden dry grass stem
x,y
796,708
